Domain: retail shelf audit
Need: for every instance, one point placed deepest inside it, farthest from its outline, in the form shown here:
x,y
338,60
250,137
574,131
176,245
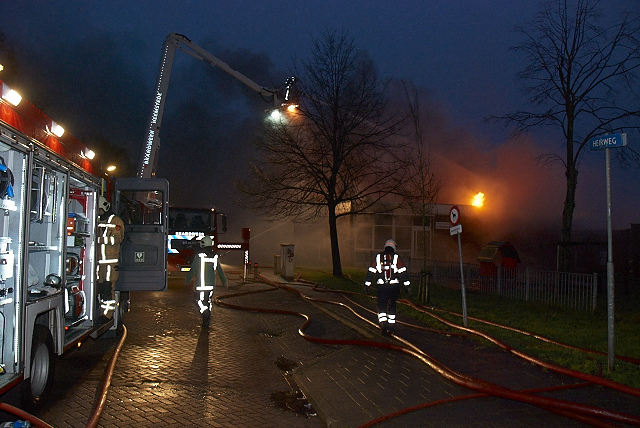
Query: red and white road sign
x,y
454,215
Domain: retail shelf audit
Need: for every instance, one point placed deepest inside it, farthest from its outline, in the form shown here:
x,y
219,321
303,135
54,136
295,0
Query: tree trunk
x,y
424,296
335,248
564,248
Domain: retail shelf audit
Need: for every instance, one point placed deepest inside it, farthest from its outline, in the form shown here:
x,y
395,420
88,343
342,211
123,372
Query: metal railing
x,y
572,290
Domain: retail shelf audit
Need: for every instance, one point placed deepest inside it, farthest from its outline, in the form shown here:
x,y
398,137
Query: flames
x,y
478,200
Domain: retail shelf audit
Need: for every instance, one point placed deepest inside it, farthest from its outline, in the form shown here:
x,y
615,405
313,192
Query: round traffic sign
x,y
454,215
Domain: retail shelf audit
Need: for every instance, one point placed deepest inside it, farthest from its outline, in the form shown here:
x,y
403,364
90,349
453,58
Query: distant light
x,y
1,67
291,108
10,95
478,200
56,129
276,115
111,168
89,154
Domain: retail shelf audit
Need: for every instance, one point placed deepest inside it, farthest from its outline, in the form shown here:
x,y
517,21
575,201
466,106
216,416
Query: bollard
x,y
255,270
276,264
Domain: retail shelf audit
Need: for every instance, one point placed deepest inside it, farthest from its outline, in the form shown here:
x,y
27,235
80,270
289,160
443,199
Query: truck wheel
x,y
38,387
123,308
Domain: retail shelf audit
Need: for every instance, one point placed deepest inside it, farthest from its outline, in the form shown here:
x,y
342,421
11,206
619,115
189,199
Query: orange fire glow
x,y
478,200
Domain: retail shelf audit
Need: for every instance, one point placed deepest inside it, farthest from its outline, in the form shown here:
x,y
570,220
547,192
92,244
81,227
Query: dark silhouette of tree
x,y
422,187
582,77
335,156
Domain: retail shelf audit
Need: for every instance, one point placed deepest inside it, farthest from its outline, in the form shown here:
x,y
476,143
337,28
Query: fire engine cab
x,y
49,188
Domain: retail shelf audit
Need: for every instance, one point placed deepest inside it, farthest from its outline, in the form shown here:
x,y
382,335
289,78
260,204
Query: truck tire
x,y
123,308
42,362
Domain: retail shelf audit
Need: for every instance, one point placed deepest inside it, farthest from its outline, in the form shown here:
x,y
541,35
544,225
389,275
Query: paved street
x,y
250,369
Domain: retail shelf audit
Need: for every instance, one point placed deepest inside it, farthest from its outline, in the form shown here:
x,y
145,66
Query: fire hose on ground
x,y
98,408
581,412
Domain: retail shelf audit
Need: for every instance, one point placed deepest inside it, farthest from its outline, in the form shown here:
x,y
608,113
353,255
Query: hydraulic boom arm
x,y
149,158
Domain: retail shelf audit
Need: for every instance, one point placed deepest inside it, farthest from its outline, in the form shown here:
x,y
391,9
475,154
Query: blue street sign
x,y
608,141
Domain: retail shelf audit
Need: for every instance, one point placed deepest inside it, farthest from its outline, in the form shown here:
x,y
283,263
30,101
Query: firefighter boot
x,y
383,328
206,318
104,291
107,304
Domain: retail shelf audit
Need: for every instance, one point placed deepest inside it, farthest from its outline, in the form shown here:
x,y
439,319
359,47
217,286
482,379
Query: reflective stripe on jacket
x,y
387,268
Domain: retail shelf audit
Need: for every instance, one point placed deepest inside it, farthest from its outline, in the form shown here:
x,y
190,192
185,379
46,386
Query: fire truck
x,y
182,237
186,226
49,189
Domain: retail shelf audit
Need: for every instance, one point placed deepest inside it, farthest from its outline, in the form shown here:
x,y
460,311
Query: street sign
x,y
443,225
605,143
608,141
454,215
455,230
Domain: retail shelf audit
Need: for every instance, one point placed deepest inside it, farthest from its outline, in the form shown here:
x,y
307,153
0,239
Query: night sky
x,y
92,66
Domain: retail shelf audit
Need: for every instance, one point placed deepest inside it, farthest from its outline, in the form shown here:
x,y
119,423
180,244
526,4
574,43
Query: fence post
x,y
499,279
527,286
594,292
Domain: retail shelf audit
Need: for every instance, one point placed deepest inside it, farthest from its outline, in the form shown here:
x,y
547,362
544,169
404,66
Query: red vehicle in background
x,y
186,226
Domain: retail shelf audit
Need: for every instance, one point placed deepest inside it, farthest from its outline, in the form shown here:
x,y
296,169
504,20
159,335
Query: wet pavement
x,y
252,368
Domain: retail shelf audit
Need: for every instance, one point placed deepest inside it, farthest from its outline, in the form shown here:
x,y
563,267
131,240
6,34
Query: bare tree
x,y
422,187
335,157
582,77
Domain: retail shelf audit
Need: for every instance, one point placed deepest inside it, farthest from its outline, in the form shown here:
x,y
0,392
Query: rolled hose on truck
x,y
580,412
102,398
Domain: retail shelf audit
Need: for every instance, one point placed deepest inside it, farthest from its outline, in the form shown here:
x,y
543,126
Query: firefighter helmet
x,y
103,204
53,280
391,243
206,242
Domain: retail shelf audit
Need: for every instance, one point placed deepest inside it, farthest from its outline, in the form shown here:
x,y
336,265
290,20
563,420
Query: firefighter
x,y
203,268
110,236
389,272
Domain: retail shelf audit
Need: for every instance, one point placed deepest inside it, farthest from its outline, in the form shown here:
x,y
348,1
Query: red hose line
x,y
471,396
559,369
478,385
542,338
24,415
97,411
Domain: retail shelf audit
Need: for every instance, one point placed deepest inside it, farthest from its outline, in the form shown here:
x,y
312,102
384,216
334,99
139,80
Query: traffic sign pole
x,y
464,294
610,296
456,229
607,142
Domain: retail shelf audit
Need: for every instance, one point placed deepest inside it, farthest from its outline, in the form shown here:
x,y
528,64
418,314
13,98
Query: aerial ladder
x,y
284,96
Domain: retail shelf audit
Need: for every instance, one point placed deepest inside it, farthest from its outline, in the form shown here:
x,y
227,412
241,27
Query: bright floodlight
x,y
10,95
89,154
56,129
111,168
276,115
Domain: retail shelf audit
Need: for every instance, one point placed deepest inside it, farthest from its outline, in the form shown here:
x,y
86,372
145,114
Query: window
x,y
140,208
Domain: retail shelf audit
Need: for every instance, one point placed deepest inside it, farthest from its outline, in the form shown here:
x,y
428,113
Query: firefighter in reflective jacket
x,y
204,267
388,271
110,236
